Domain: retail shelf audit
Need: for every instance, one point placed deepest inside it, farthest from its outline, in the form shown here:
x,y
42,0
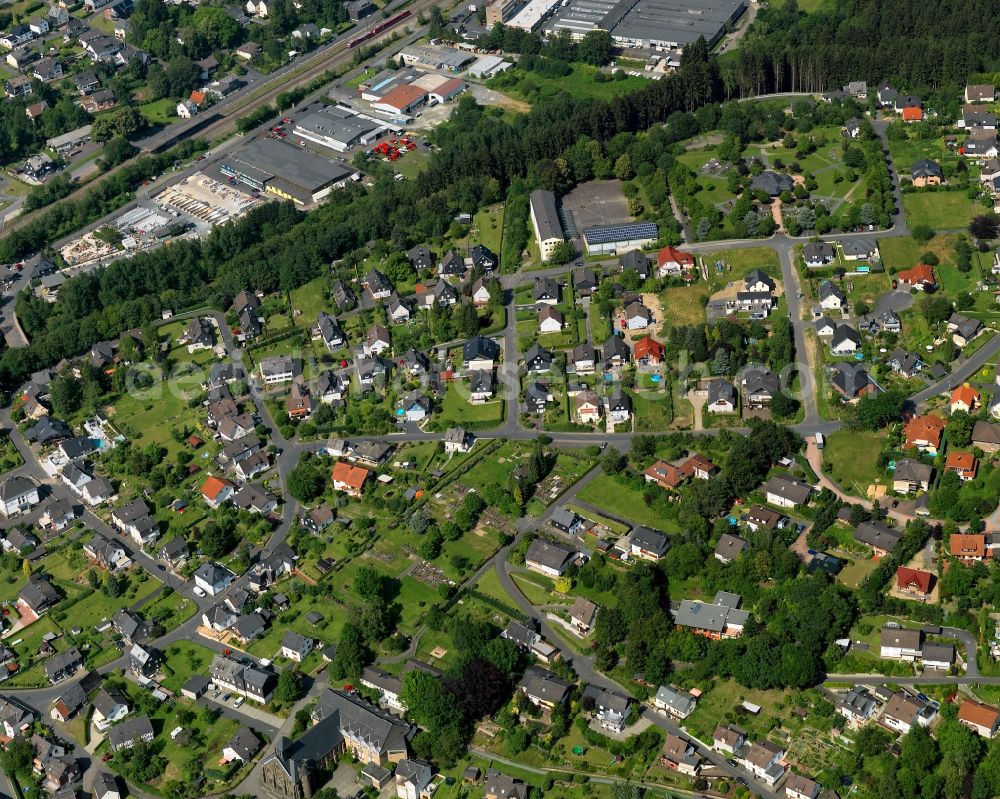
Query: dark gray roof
x,y
788,488
544,685
550,553
772,183
876,534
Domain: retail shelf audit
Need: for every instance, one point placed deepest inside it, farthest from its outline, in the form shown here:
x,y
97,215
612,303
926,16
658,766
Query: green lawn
x,y
310,299
160,112
940,210
456,410
183,660
531,86
853,456
607,493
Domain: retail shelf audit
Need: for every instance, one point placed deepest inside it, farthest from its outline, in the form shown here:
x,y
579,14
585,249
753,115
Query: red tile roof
x,y
967,545
352,476
907,578
924,429
912,114
672,255
649,347
965,394
921,273
213,486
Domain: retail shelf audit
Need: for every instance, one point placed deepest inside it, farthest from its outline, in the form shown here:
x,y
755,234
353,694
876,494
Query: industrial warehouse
x,y
291,172
340,129
631,23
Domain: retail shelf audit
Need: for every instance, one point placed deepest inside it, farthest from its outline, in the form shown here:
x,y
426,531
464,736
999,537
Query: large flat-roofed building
x,y
613,239
502,11
545,221
286,171
339,128
650,23
533,14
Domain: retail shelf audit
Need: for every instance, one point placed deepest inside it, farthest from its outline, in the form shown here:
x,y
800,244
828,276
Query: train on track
x,y
375,30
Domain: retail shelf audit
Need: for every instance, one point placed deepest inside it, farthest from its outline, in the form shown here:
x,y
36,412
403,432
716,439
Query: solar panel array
x,y
628,232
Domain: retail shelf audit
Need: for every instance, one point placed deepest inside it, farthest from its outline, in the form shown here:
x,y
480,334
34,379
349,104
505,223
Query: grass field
x,y
854,459
160,112
940,210
310,299
903,252
531,86
457,410
607,493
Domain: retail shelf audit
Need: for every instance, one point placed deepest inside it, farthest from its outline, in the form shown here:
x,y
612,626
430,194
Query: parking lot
x,y
594,204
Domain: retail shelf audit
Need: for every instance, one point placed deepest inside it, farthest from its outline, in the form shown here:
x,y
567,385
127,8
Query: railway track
x,y
230,114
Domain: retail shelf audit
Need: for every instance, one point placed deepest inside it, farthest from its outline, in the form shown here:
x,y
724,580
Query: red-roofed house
x,y
672,261
401,100
964,398
649,351
216,490
981,718
666,475
920,277
967,546
924,432
913,114
914,581
349,478
962,463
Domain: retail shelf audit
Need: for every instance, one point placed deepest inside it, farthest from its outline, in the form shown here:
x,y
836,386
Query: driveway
x,y
895,301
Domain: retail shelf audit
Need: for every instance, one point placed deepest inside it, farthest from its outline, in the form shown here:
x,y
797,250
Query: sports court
x,y
594,204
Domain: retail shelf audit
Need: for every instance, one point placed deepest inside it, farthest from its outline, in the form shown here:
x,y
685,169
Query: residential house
x,y
550,320
764,760
787,492
721,397
673,262
546,290
759,385
964,464
648,544
480,293
635,261
480,386
723,618
582,615
965,398
349,478
649,352
129,732
926,173
637,316
107,553
858,706
452,265
728,739
729,548
986,436
543,689
414,780
817,254
680,755
330,332
674,702
212,578
846,340
852,381
911,476
980,718
480,353
619,406
550,558
584,358
18,494
608,708
277,369
247,679
243,746
37,596
903,711
295,647
898,643
831,298
110,707
882,540
963,329
920,277
63,665
217,491
537,359
914,581
924,432
799,787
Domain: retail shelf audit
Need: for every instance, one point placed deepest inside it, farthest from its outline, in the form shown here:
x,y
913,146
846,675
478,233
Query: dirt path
x,y
697,400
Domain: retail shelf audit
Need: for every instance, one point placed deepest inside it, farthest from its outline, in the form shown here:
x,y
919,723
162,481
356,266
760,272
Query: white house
x,y
212,578
295,647
18,495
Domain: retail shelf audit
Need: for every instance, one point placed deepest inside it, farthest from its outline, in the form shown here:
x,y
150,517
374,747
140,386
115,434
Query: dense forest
x,y
921,46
